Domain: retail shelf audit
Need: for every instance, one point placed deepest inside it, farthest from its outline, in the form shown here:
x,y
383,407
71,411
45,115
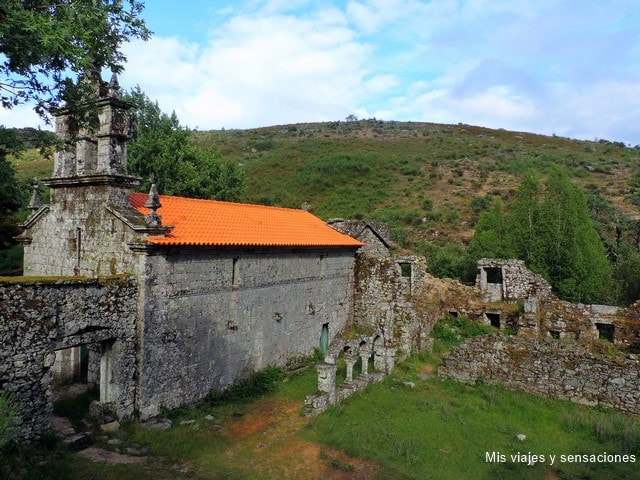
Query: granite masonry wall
x,y
219,316
548,367
90,239
385,290
38,318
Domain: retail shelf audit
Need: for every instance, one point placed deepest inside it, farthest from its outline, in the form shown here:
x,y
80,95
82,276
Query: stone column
x,y
350,360
327,378
365,353
390,357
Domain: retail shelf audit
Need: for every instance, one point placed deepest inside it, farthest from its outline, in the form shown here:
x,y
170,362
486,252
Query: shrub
x,y
453,330
258,383
8,419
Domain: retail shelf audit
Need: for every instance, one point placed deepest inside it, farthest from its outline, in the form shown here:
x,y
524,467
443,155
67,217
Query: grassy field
x,y
412,425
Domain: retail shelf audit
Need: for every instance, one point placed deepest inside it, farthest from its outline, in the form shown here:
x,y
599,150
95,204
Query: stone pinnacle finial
x,y
35,203
114,86
153,203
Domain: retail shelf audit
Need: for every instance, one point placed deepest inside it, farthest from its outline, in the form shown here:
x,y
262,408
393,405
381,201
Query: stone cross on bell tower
x,y
96,157
103,151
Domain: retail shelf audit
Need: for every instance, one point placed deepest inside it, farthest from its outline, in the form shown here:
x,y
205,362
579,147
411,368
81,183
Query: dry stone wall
x,y
36,318
548,367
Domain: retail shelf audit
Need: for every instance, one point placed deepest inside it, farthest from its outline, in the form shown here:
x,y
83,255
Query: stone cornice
x,y
127,181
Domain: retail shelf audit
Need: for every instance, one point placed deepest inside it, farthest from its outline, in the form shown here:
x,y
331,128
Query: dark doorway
x,y
494,319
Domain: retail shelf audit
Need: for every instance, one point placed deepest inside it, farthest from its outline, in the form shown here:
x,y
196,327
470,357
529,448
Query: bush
x,y
453,330
8,418
257,384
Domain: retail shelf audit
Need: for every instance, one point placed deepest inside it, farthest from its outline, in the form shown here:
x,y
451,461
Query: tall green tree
x,y
549,227
575,259
162,147
46,44
492,238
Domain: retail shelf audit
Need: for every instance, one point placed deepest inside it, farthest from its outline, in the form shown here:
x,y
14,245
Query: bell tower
x,y
95,158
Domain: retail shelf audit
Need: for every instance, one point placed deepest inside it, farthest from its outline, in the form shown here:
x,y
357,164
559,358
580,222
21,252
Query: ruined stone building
x,y
157,300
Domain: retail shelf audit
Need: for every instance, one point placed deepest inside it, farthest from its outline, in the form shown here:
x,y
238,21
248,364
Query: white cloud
x,y
22,116
255,71
535,66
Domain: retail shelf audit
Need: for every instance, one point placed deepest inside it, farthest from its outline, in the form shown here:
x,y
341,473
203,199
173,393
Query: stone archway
x,y
40,318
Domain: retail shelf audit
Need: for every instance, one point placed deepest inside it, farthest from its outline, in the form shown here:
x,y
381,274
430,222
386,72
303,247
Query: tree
x,y
627,274
162,147
47,44
549,227
575,258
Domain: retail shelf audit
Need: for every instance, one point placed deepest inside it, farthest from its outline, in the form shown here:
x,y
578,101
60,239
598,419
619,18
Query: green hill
x,y
430,181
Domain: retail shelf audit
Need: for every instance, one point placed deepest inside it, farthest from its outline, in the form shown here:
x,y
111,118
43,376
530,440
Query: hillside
x,y
430,181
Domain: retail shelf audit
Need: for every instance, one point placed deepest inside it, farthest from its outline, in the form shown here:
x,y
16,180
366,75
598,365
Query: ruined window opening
x,y
494,274
606,331
405,270
235,273
453,314
494,319
554,334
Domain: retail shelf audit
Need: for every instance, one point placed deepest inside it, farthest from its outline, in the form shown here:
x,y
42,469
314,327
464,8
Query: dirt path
x,y
269,429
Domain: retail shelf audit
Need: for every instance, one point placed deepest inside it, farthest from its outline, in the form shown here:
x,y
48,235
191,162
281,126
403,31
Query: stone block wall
x,y
37,318
89,240
384,294
213,317
516,281
548,367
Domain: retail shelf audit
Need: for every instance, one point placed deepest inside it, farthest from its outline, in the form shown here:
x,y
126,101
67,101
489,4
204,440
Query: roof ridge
x,y
227,202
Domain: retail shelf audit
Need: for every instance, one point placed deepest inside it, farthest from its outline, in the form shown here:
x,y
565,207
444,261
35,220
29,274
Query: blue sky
x,y
570,68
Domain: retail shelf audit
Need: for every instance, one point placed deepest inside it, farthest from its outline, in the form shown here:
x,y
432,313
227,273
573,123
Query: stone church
x,y
220,289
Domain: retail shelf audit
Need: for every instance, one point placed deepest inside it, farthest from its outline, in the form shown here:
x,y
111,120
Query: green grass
x,y
442,429
435,429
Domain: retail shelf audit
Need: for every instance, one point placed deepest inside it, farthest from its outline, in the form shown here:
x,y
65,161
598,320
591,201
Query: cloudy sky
x,y
565,67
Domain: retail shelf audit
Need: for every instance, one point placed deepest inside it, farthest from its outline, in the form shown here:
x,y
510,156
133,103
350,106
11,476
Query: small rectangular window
x,y
235,273
494,274
606,331
405,270
494,319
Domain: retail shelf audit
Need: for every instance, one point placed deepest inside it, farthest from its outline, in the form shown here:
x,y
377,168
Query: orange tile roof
x,y
211,222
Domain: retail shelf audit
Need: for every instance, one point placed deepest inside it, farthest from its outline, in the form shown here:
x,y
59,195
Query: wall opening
x,y
606,331
235,273
405,269
493,318
554,334
324,339
494,274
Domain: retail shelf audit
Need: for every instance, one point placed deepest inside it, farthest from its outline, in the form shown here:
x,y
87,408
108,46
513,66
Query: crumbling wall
x,y
548,367
356,348
511,281
38,317
384,300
